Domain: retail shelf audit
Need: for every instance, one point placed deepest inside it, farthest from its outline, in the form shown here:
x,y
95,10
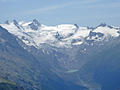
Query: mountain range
x,y
63,57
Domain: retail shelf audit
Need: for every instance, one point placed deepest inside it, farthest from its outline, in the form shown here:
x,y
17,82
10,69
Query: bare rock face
x,y
35,25
63,57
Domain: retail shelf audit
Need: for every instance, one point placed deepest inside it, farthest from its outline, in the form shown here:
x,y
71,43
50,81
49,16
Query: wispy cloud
x,y
54,7
105,5
46,9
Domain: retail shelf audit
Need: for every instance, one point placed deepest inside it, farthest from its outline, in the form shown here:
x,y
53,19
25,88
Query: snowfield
x,y
64,35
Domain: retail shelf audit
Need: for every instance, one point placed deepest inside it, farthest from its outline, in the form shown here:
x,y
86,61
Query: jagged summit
x,y
102,24
76,25
35,24
105,25
63,35
7,22
15,22
38,56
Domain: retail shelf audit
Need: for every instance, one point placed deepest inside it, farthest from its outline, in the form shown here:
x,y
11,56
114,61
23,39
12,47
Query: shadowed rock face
x,y
7,22
103,68
36,22
6,86
15,22
35,25
22,67
90,65
94,34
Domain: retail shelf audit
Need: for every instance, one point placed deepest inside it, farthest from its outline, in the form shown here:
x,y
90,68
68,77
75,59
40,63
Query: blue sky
x,y
53,12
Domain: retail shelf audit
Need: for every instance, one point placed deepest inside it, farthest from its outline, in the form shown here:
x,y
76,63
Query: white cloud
x,y
45,9
82,3
54,7
49,8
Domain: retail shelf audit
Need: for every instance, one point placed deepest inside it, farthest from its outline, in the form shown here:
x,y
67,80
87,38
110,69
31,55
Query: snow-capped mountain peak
x,y
7,22
107,30
102,25
34,34
15,22
36,22
34,25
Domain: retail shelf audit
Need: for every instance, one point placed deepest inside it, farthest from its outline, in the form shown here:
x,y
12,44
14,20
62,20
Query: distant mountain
x,y
34,34
62,57
20,66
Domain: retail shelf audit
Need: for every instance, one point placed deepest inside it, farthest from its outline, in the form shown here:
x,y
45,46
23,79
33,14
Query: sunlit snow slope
x,y
64,35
